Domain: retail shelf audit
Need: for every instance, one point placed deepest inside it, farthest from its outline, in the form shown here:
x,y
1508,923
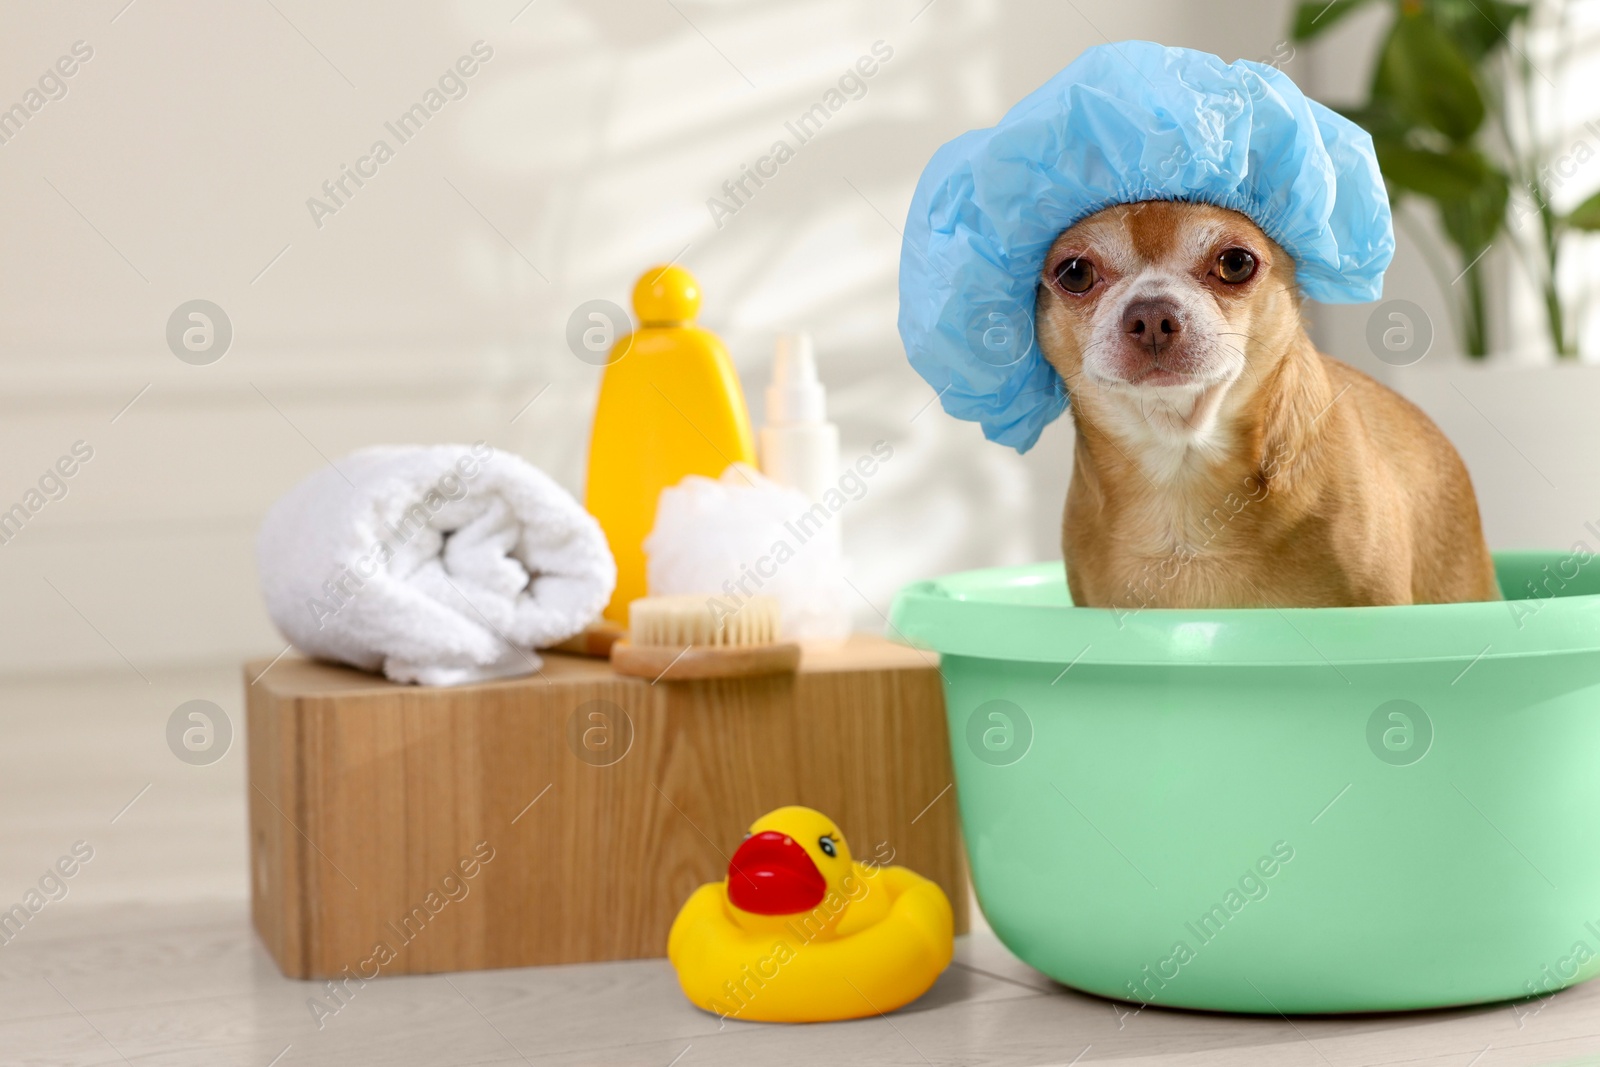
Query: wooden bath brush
x,y
678,638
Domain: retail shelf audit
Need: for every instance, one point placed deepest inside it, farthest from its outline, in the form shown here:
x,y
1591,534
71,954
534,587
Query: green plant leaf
x,y
1380,118
1314,16
1586,216
1423,73
1473,221
1454,175
1478,27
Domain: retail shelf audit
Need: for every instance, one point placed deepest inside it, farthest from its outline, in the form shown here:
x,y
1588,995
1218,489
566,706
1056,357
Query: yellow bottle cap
x,y
666,296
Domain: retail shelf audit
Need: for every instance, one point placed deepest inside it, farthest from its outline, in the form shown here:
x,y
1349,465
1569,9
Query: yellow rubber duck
x,y
800,932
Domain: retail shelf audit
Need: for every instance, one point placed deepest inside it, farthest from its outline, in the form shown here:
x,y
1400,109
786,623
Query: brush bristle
x,y
696,620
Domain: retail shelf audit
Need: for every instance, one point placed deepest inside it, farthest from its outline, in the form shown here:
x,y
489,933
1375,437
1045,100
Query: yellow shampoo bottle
x,y
670,406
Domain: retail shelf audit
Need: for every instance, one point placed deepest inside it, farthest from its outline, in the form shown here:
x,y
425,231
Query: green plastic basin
x,y
1297,811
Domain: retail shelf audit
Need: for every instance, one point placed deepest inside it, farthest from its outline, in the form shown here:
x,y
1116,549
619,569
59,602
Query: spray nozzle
x,y
796,393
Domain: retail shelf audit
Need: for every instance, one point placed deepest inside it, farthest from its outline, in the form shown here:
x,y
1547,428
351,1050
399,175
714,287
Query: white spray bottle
x,y
799,447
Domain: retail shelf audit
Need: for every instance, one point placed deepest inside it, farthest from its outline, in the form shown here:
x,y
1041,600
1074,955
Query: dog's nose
x,y
1153,324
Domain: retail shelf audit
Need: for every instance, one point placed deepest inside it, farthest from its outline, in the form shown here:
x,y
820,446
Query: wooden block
x,y
586,806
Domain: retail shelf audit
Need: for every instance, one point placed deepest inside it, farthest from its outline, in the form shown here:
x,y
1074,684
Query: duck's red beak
x,y
772,875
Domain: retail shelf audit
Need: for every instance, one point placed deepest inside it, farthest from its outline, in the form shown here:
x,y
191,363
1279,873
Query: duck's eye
x,y
827,846
1235,266
1076,275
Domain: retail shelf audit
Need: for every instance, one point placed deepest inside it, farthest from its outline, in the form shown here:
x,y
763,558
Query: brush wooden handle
x,y
668,664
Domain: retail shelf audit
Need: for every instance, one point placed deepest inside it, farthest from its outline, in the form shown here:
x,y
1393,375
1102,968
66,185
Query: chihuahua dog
x,y
1221,460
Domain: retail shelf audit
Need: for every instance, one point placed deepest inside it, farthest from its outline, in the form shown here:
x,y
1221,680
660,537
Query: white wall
x,y
433,305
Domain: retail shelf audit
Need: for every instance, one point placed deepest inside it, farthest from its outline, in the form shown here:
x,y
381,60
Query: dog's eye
x,y
1235,266
1076,275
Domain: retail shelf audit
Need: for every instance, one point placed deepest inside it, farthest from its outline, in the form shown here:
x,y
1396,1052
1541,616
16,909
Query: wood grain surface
x,y
564,817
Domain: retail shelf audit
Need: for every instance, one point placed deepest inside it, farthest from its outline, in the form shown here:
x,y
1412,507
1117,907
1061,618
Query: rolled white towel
x,y
438,564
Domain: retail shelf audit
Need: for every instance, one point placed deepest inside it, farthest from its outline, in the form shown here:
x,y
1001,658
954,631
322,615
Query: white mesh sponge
x,y
744,535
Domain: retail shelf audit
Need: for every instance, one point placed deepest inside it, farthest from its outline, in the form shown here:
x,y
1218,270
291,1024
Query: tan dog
x,y
1221,460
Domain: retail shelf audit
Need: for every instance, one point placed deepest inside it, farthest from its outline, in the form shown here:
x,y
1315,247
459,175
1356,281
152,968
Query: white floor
x,y
149,959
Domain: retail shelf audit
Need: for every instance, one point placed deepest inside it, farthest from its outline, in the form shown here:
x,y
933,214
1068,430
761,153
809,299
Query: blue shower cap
x,y
1123,123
